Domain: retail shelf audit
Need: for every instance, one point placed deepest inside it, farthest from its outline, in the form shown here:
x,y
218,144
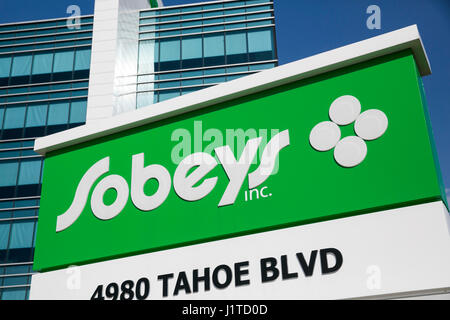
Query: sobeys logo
x,y
350,151
186,185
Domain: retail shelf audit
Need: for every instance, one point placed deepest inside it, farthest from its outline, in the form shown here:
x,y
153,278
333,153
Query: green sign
x,y
154,3
348,142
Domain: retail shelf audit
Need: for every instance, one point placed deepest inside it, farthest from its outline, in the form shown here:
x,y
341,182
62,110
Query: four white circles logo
x,y
351,151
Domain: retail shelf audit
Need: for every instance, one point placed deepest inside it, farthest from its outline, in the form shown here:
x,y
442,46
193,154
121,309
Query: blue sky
x,y
307,27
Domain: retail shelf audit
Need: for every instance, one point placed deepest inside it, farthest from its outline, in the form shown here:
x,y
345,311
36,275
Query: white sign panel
x,y
388,253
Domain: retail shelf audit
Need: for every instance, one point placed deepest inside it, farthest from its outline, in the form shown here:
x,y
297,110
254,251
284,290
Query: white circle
x,y
325,136
102,211
345,110
350,152
371,124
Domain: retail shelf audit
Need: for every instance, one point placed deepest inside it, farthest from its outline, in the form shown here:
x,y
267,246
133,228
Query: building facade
x,y
44,77
55,76
144,55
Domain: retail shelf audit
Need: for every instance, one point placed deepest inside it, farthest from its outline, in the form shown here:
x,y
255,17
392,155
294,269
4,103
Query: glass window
x,y
260,8
14,117
83,59
78,112
148,53
8,172
4,235
5,66
192,48
262,66
215,80
214,46
237,69
36,115
14,294
42,63
58,113
188,74
21,65
260,41
17,269
30,171
15,281
209,72
169,84
147,14
63,61
24,203
169,50
168,94
236,43
21,235
192,82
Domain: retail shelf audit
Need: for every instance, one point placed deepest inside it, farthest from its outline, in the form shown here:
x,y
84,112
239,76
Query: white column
x,y
114,56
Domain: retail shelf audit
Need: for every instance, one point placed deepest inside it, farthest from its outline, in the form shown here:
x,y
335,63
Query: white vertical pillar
x,y
114,57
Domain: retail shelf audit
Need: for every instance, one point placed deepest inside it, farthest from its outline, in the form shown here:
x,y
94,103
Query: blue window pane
x,y
58,113
236,43
21,235
17,269
189,74
192,82
148,53
189,90
18,90
14,117
42,63
215,80
192,48
36,115
214,46
209,72
258,23
169,94
237,69
4,235
169,84
30,171
21,65
5,66
24,203
6,204
260,41
83,59
262,66
167,76
147,14
14,294
169,50
63,61
79,93
230,78
8,173
15,281
78,112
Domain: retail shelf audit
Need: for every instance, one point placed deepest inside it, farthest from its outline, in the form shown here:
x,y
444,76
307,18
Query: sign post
x,y
187,196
